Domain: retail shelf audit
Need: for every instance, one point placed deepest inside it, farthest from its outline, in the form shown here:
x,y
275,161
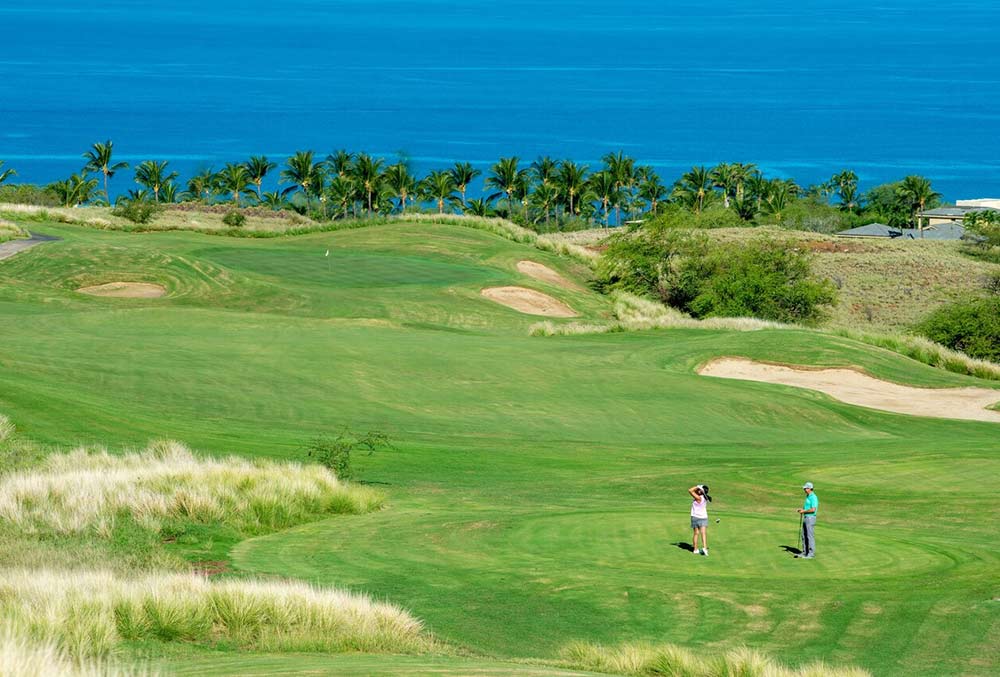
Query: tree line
x,y
546,193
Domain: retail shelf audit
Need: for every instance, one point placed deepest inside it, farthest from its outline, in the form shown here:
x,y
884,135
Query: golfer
x,y
809,512
699,517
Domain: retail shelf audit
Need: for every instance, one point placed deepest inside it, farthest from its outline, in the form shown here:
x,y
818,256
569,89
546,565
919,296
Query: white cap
x,y
807,485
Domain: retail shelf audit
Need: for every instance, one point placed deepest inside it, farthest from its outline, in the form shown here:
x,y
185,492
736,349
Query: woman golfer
x,y
699,517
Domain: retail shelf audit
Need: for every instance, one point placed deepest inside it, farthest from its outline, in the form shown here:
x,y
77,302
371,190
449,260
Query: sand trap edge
x,y
125,290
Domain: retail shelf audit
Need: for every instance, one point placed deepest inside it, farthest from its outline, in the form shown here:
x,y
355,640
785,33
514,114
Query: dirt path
x,y
528,301
11,247
855,387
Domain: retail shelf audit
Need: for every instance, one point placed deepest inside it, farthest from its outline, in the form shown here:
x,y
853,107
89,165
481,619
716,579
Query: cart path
x,y
11,247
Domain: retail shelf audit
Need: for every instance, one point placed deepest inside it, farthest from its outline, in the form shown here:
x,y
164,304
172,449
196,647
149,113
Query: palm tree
x,y
846,185
917,194
257,168
74,191
622,170
400,183
572,182
301,172
507,178
741,175
545,197
99,160
463,173
168,192
342,192
544,170
6,173
367,173
340,162
758,186
694,186
274,199
652,191
152,175
725,176
479,207
234,179
203,185
606,189
440,187
778,198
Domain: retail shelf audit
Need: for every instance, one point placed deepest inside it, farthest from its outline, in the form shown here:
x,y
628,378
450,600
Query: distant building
x,y
991,202
944,230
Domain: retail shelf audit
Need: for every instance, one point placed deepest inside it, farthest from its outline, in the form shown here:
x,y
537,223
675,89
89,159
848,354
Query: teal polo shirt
x,y
812,501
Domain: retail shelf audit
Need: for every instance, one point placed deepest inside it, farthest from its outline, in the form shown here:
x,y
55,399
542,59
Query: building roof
x,y
872,230
954,211
949,230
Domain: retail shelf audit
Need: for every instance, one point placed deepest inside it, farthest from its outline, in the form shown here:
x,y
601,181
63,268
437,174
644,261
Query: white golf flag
x,y
327,253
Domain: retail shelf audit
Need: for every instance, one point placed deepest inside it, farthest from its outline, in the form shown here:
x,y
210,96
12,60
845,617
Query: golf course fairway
x,y
536,486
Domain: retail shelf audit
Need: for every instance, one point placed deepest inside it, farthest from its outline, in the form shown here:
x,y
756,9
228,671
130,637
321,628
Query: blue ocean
x,y
803,89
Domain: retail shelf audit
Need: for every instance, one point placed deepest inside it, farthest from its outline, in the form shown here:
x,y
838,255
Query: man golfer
x,y
809,511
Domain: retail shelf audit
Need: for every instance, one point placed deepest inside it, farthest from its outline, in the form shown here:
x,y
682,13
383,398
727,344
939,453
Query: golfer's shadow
x,y
684,546
790,549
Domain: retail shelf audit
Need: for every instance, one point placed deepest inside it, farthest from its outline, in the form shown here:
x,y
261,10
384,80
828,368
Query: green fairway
x,y
537,488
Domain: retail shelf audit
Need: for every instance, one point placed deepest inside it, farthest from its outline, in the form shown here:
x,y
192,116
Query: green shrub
x,y
28,194
334,451
768,280
234,219
137,211
972,327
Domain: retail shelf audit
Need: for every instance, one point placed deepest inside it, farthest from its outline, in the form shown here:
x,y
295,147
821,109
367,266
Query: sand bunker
x,y
528,301
544,274
126,290
855,387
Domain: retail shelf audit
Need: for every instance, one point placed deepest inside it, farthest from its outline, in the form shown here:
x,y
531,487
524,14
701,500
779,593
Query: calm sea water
x,y
803,89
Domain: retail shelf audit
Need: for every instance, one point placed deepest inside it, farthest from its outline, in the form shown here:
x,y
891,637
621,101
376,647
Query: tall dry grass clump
x,y
926,351
646,660
87,491
634,313
90,613
6,428
11,231
25,658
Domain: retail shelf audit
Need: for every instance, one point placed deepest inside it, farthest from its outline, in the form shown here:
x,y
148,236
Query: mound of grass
x,y
87,492
643,660
91,613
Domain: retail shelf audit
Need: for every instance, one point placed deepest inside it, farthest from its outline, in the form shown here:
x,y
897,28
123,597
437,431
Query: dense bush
x,y
136,211
28,194
972,327
714,216
234,219
764,279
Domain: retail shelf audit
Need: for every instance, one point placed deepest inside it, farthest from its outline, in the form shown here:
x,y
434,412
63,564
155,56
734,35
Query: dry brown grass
x,y
170,219
883,285
11,231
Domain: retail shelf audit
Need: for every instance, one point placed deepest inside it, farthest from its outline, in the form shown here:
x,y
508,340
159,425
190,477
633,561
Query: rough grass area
x,y
91,613
11,231
634,313
86,491
642,660
26,658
